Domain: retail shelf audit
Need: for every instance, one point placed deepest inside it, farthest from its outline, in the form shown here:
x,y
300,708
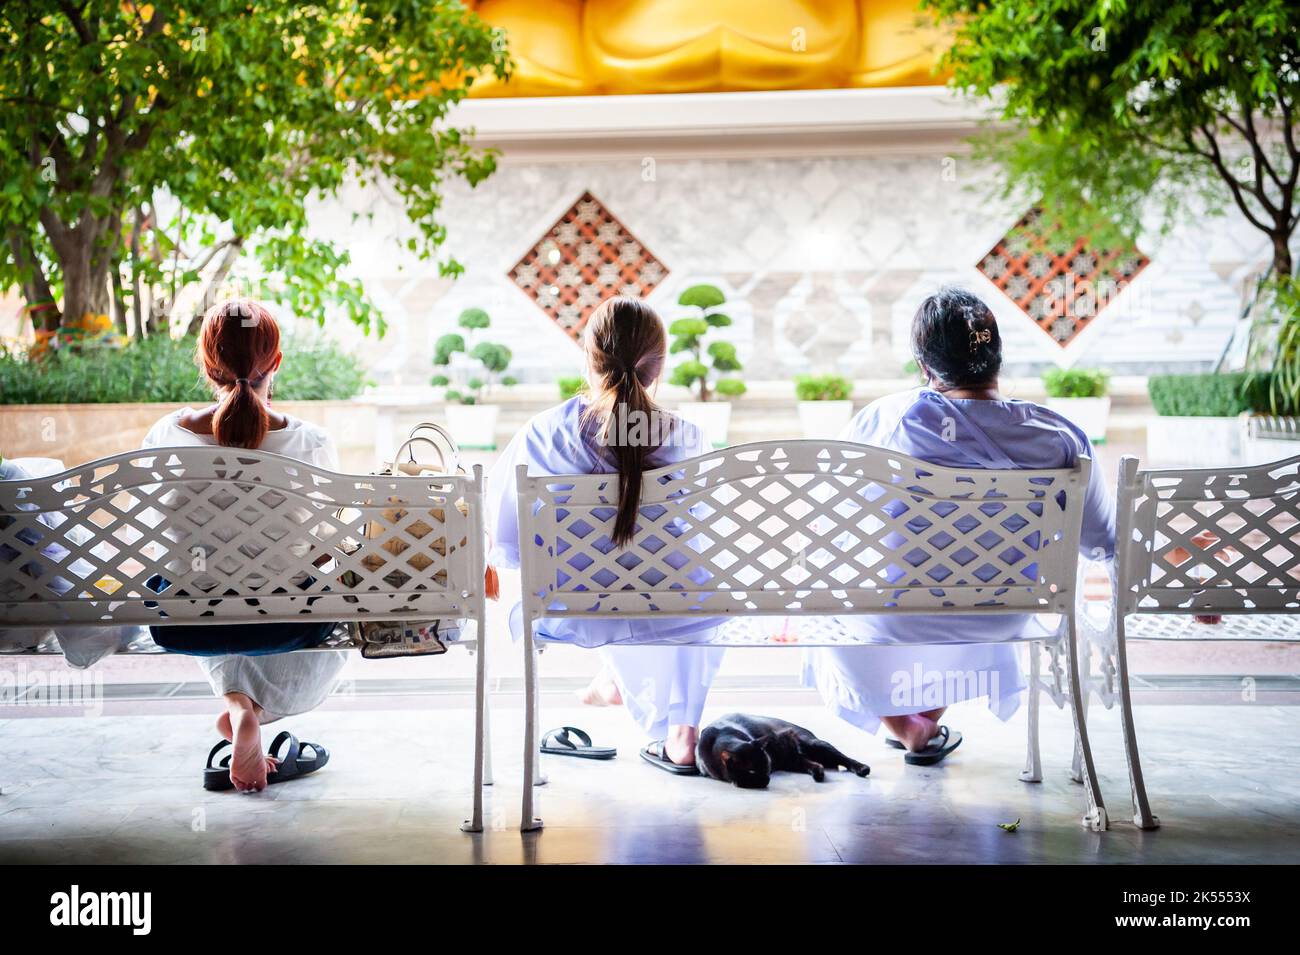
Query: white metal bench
x,y
208,535
1222,543
806,528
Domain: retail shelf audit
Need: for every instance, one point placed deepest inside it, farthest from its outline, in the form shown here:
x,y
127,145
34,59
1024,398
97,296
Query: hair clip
x,y
980,337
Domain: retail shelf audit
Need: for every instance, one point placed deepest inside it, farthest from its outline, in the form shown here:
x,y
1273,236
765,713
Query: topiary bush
x,y
688,336
1208,395
471,383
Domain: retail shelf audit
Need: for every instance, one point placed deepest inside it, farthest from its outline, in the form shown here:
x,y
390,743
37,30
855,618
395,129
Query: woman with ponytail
x,y
958,418
617,428
251,667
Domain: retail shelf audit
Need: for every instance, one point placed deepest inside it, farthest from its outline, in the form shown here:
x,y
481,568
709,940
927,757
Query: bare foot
x,y
602,691
679,745
248,764
914,731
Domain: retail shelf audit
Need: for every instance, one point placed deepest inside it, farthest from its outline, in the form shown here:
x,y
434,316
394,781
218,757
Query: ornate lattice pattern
x,y
220,535
804,527
1221,540
1061,283
585,258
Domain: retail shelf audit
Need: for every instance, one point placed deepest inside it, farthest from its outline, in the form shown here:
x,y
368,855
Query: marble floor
x,y
126,788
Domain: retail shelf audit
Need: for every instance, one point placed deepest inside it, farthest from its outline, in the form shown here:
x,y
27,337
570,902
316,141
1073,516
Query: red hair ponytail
x,y
239,345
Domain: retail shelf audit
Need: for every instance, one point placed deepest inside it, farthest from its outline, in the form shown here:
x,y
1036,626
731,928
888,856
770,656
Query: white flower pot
x,y
1179,441
473,426
824,419
1265,440
1090,414
711,417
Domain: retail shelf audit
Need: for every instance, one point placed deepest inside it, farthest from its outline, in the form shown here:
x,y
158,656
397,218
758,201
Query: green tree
x,y
146,147
688,336
1126,108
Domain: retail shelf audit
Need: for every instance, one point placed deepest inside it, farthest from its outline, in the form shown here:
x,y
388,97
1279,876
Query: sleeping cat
x,y
746,750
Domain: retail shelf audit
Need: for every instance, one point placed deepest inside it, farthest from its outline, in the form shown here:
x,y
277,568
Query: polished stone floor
x,y
1224,780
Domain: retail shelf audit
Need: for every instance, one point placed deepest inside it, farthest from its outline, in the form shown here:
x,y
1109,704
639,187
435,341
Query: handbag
x,y
382,639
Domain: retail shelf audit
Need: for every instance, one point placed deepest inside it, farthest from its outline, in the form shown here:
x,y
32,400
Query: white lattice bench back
x,y
1210,541
1202,554
803,528
222,535
226,536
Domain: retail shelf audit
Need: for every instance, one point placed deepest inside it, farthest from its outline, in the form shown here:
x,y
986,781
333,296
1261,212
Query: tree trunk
x,y
42,308
1282,263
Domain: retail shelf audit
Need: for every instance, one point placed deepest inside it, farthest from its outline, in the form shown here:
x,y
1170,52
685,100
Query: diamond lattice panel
x,y
228,535
822,527
1215,540
1063,284
585,258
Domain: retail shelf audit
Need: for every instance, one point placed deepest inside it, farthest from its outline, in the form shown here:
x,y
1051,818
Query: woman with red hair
x,y
251,667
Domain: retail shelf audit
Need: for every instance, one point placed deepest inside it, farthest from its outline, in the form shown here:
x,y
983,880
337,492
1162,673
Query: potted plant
x,y
703,364
1080,395
825,404
1198,420
1271,431
571,386
471,370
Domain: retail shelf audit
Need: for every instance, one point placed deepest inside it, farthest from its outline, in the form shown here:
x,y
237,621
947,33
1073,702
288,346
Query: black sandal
x,y
936,750
559,742
289,766
217,778
293,765
653,753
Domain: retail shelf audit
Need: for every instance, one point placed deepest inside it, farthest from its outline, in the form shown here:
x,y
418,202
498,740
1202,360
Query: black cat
x,y
746,750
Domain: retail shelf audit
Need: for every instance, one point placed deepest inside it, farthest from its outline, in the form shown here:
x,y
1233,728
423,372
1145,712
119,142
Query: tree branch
x,y
1216,158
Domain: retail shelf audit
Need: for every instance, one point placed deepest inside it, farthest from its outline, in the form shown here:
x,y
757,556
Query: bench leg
x,y
1143,817
529,822
475,821
1033,771
1095,818
488,778
1085,678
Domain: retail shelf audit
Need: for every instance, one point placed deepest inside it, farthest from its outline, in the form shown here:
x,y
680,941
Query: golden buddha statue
x,y
577,47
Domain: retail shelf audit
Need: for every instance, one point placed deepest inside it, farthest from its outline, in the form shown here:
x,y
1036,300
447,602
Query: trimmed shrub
x,y
1207,395
161,369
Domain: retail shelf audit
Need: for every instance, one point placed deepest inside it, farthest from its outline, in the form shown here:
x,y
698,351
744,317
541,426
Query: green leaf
x,y
440,381
446,346
473,318
687,373
495,358
718,320
688,327
702,296
731,387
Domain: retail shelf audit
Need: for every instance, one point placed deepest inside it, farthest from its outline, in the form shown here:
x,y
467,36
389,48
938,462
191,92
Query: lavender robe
x,y
660,685
861,684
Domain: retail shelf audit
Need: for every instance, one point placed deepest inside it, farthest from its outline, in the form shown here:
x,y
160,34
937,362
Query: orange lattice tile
x,y
1062,284
585,258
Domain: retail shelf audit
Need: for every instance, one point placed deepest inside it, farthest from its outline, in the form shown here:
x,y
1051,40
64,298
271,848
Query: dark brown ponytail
x,y
626,347
239,346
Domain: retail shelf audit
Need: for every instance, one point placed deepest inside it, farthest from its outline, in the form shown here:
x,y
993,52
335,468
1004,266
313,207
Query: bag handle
x,y
410,442
445,436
